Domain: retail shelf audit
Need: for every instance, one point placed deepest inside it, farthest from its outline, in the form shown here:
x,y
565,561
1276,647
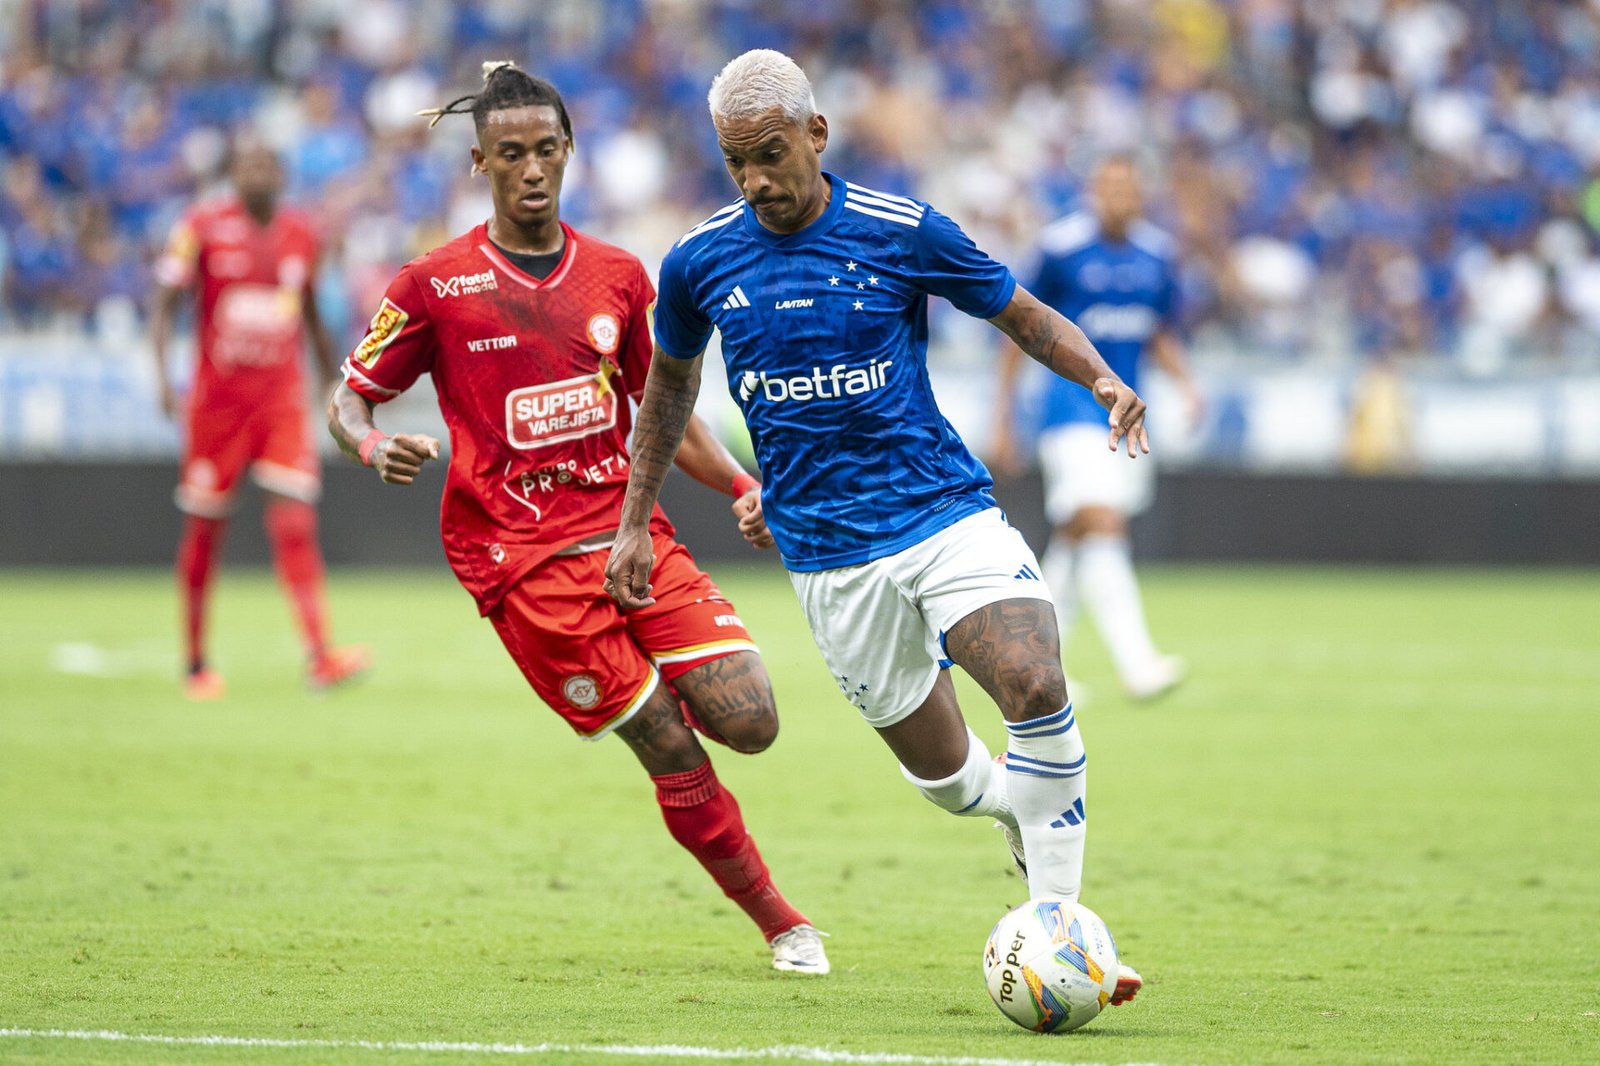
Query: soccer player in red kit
x,y
536,336
253,263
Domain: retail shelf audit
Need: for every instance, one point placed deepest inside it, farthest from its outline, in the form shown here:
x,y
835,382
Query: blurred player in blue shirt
x,y
1113,274
902,562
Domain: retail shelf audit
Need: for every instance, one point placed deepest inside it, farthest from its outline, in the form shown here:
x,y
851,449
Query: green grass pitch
x,y
1366,831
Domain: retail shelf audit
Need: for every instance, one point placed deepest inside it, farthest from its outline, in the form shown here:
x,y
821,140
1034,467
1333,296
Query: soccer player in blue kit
x,y
902,561
1114,274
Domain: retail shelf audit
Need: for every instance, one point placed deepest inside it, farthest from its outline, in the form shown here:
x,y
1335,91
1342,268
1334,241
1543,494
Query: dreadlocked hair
x,y
505,85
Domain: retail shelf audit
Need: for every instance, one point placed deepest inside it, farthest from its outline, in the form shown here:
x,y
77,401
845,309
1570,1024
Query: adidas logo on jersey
x,y
735,299
464,284
838,380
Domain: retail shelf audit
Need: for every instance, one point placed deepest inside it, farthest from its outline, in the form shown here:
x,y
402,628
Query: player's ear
x,y
817,128
478,163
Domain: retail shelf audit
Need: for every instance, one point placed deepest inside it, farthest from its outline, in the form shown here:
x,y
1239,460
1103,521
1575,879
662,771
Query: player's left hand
x,y
628,570
752,523
1127,415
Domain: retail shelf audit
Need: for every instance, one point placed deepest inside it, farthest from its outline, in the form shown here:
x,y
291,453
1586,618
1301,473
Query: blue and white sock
x,y
978,790
1045,765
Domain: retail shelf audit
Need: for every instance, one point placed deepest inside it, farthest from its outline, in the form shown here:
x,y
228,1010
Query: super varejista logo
x,y
539,415
829,383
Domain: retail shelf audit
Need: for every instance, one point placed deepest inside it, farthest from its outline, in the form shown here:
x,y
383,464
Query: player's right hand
x,y
628,570
398,459
1126,416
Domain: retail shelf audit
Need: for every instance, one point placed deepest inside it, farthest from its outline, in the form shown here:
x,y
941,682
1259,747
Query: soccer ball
x,y
1050,965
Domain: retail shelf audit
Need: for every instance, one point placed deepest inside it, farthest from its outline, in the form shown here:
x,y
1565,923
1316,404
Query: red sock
x,y
704,817
197,555
292,530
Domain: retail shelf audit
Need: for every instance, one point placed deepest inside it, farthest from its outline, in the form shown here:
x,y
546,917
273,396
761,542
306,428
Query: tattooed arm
x,y
669,396
1049,338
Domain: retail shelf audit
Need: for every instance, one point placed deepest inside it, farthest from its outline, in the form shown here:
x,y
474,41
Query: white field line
x,y
86,659
675,1051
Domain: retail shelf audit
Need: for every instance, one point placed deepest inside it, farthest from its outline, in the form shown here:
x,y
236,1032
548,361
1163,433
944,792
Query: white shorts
x,y
1080,471
881,625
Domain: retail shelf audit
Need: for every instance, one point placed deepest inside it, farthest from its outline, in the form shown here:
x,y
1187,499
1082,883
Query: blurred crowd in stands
x,y
1346,178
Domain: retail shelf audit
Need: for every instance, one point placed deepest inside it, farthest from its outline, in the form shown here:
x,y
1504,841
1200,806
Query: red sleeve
x,y
181,257
637,343
398,347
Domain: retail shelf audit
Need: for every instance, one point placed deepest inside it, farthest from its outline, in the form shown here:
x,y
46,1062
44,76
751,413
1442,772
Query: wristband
x,y
743,483
371,441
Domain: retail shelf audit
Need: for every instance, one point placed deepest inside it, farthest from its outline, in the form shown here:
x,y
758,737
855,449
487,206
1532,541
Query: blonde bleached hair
x,y
758,81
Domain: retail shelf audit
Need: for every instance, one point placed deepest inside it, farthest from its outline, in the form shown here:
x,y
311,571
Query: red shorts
x,y
594,663
273,443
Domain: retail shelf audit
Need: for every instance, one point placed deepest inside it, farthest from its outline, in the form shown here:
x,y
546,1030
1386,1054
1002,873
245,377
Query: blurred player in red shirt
x,y
536,336
252,263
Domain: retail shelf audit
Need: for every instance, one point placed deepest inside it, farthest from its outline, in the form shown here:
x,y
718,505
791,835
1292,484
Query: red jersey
x,y
253,281
533,379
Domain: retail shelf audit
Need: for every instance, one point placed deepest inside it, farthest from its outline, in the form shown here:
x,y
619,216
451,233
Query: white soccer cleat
x,y
1128,984
1013,834
799,950
1014,842
1164,675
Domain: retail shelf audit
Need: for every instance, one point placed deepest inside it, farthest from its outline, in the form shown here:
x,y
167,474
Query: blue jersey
x,y
1120,293
825,335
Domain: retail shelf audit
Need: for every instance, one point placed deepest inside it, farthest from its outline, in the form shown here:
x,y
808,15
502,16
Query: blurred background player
x,y
1114,275
252,263
536,336
902,561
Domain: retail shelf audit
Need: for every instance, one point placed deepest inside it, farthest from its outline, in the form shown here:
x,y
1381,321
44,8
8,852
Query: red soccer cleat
x,y
1128,984
338,665
204,685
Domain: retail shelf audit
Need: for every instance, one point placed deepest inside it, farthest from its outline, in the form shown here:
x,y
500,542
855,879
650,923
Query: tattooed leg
x,y
1010,649
732,696
660,740
702,815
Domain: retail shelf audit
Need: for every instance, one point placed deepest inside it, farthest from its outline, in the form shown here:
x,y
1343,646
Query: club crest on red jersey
x,y
581,690
386,326
604,332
